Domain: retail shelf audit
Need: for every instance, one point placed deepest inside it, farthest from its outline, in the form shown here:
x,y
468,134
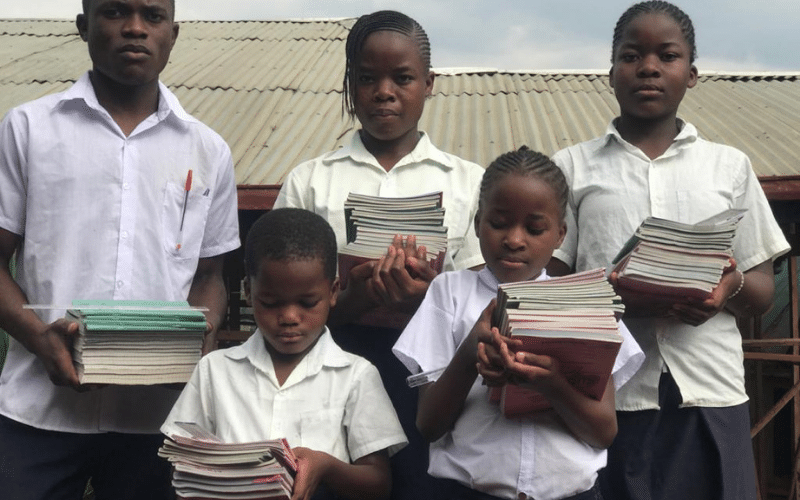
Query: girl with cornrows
x,y
555,453
387,80
683,418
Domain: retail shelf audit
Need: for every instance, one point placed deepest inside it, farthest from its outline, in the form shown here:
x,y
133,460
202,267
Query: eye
x,y
268,304
154,16
112,12
309,303
669,57
534,231
628,57
497,223
364,79
404,79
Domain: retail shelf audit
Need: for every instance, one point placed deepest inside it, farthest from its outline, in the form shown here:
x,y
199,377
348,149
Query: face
x,y
519,226
129,40
291,300
652,68
391,84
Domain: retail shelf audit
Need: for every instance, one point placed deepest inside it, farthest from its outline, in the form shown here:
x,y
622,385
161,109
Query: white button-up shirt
x,y
333,401
535,457
614,187
100,218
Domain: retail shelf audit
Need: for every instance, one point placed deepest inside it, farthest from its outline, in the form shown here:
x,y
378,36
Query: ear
x,y
175,29
335,287
611,77
692,77
246,291
429,83
476,222
562,233
82,25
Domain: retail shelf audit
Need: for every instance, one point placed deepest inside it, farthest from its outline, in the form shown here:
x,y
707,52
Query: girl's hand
x,y
529,370
392,281
490,362
311,469
694,312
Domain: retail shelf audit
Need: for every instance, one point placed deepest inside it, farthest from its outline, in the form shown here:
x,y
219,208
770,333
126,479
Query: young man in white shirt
x,y
93,197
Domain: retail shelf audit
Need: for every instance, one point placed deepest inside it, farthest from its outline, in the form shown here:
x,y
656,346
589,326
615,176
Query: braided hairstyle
x,y
528,163
655,7
384,20
290,234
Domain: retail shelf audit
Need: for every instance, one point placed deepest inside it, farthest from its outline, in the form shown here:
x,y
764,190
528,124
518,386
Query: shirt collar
x,y
488,278
325,353
423,151
686,135
168,104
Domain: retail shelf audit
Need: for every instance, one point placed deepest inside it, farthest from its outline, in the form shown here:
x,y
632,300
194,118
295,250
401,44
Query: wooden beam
x,y
257,197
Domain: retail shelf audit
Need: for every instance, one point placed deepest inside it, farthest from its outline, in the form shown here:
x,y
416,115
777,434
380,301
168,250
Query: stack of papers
x,y
671,260
372,222
572,319
205,467
136,342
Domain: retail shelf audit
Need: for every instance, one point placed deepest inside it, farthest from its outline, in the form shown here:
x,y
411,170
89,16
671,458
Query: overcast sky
x,y
732,35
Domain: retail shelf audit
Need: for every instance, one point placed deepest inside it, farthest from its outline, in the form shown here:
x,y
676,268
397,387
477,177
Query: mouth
x,y
382,113
135,51
648,90
512,262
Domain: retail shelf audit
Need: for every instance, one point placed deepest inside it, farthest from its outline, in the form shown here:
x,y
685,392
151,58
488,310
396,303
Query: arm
x,y
441,402
557,267
208,290
367,478
594,422
50,343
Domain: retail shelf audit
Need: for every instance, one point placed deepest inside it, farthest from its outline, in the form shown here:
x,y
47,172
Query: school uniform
x,y
322,185
333,401
688,370
100,218
536,457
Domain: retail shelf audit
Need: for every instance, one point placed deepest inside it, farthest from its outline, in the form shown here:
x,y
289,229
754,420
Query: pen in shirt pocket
x,y
187,188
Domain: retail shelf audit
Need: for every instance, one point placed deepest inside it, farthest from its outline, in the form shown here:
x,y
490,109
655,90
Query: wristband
x,y
739,289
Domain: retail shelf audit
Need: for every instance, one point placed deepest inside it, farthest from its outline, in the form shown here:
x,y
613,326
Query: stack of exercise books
x,y
669,260
136,342
372,222
572,319
204,467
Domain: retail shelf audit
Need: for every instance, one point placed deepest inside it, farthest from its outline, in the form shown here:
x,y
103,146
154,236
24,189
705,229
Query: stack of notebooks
x,y
136,342
572,319
372,222
671,261
204,467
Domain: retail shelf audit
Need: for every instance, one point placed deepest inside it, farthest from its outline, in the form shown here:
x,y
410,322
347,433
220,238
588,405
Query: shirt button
x,y
120,283
124,234
126,186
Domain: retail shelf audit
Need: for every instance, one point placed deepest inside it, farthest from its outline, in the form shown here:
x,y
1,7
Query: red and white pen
x,y
187,188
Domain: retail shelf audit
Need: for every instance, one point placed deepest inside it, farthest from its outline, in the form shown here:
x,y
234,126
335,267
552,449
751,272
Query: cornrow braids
x,y
384,20
290,234
655,7
528,163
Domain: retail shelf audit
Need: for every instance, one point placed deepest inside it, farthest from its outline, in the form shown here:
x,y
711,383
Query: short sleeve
x,y
195,403
222,226
469,255
370,419
629,358
567,252
13,142
294,190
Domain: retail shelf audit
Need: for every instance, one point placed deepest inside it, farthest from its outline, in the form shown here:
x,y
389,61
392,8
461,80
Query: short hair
x,y
87,3
655,7
287,234
528,163
383,20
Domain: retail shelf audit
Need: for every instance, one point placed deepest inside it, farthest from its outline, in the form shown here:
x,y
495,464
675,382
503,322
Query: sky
x,y
731,35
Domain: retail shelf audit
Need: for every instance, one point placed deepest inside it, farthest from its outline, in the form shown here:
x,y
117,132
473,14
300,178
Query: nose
x,y
134,26
514,238
289,315
384,89
649,65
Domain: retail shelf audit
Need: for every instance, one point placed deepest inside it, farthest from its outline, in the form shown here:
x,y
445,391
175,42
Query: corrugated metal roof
x,y
272,89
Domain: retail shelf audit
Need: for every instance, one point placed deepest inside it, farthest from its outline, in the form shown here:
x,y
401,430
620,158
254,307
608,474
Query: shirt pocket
x,y
184,221
322,430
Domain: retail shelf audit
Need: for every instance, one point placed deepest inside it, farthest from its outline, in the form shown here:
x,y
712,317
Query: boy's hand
x,y
638,304
311,469
695,312
53,347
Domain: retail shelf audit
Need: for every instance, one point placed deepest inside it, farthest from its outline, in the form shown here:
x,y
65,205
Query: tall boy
x,y
93,200
290,379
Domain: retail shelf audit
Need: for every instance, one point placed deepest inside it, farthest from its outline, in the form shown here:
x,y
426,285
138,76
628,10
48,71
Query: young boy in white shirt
x,y
290,379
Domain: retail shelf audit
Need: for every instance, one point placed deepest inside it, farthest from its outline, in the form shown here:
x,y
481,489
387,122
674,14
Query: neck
x,y
128,105
388,153
653,137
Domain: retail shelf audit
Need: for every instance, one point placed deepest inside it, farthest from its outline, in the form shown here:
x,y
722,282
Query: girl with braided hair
x,y
387,79
556,453
683,418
